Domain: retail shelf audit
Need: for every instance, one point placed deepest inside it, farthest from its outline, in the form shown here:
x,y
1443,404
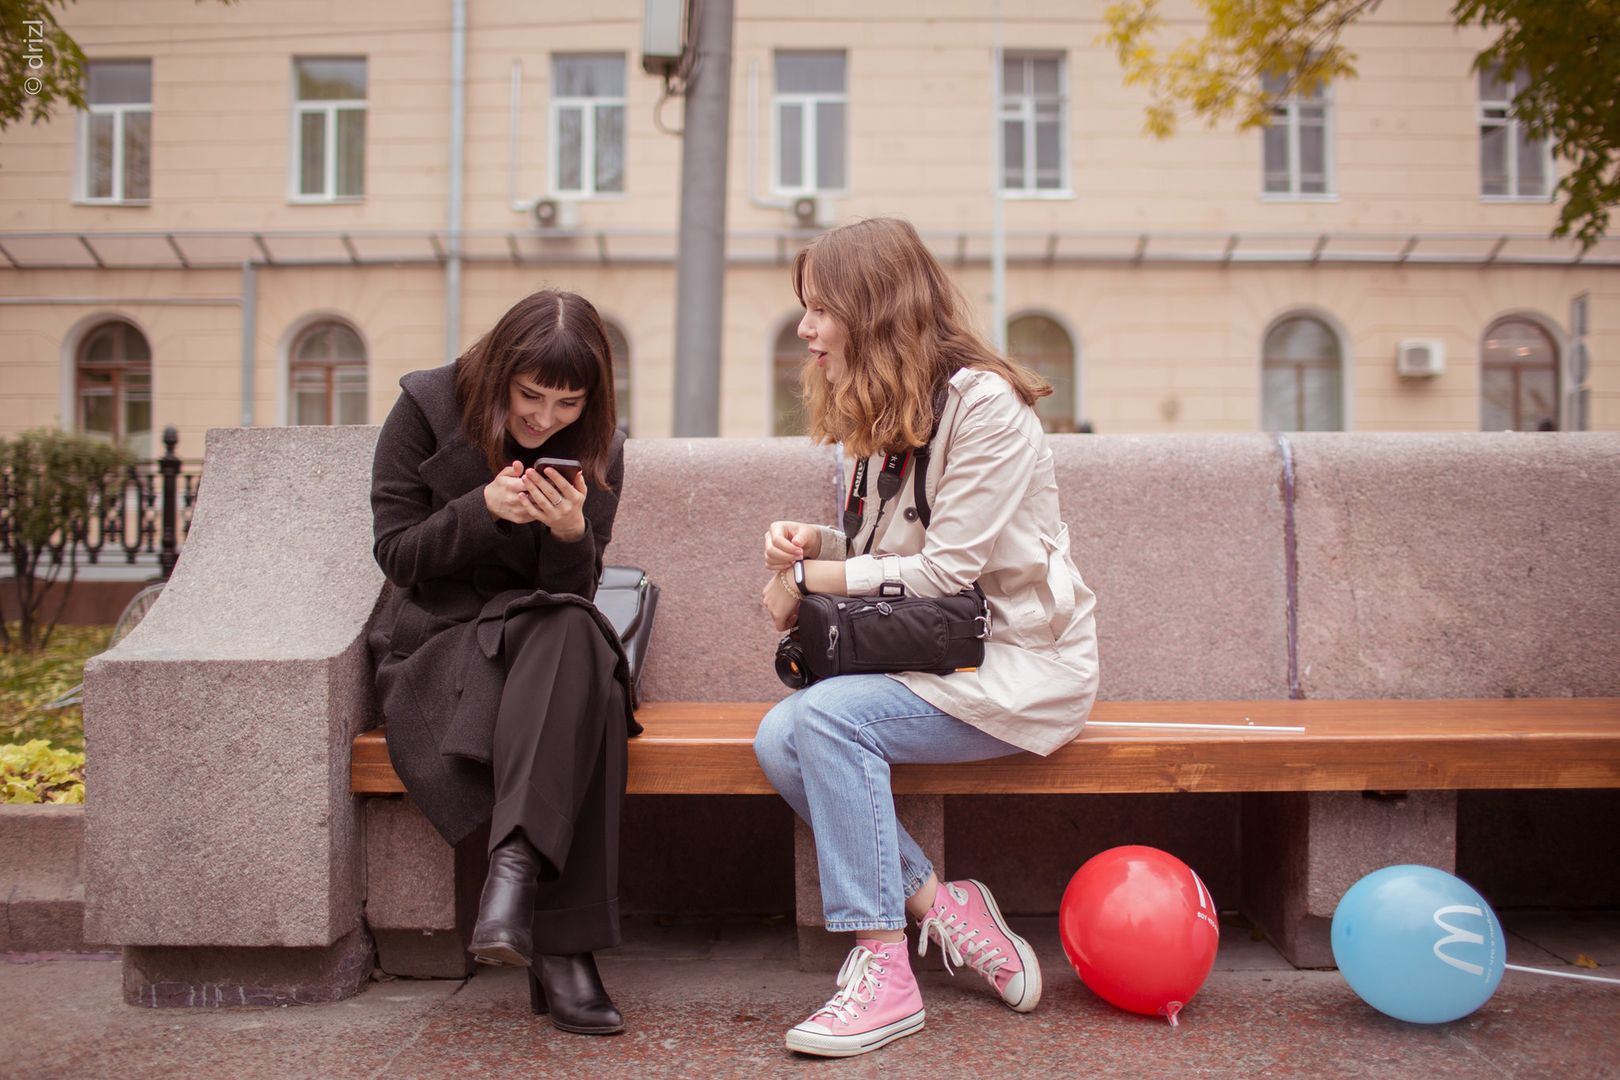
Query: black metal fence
x,y
147,514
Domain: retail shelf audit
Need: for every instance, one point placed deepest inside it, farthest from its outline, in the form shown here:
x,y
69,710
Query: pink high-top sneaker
x,y
877,1002
971,933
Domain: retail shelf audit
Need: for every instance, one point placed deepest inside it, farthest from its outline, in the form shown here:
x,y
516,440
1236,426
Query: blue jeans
x,y
827,749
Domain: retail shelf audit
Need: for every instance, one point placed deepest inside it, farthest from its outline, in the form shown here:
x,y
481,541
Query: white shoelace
x,y
858,984
958,942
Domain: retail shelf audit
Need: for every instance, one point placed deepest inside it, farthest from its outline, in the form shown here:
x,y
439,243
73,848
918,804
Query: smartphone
x,y
568,467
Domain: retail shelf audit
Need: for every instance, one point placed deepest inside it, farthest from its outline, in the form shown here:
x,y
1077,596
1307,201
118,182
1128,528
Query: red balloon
x,y
1139,929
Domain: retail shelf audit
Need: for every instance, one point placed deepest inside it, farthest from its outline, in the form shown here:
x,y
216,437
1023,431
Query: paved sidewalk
x,y
713,999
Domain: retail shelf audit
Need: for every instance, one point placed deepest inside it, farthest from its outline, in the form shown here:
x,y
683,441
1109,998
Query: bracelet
x,y
798,578
782,580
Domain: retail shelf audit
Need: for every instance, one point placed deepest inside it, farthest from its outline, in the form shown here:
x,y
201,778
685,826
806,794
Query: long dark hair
x,y
907,328
557,339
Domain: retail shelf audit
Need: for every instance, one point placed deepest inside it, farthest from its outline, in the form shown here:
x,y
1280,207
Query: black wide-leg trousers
x,y
559,762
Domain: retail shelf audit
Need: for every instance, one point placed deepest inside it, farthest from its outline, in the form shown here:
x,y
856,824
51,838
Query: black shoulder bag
x,y
856,635
629,600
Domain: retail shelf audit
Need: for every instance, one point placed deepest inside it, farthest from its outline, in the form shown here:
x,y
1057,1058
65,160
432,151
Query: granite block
x,y
1302,852
41,846
218,732
421,894
1181,538
694,516
410,870
1458,566
41,878
207,978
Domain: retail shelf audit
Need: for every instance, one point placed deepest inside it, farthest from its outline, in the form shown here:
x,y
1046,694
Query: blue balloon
x,y
1418,944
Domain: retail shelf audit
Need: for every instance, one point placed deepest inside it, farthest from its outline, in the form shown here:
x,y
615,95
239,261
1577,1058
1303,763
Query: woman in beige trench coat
x,y
888,338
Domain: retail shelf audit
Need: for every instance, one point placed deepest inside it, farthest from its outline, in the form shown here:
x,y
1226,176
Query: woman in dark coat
x,y
504,689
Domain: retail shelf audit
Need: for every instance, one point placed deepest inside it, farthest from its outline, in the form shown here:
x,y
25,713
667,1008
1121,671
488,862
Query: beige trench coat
x,y
995,520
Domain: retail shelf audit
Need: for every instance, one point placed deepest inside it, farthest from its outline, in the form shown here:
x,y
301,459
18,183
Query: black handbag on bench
x,y
629,600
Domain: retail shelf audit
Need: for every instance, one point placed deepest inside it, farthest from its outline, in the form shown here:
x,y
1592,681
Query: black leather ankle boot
x,y
571,990
504,933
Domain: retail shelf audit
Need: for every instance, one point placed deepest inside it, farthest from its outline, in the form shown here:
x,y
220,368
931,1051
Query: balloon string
x,y
1562,974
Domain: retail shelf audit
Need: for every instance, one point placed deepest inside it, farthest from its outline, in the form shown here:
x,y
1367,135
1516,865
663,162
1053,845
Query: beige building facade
x,y
252,223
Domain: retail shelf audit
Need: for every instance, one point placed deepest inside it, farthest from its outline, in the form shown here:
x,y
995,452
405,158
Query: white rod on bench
x,y
1562,974
1200,727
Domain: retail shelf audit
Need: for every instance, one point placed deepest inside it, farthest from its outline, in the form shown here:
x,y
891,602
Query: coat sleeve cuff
x,y
863,574
477,528
833,543
571,564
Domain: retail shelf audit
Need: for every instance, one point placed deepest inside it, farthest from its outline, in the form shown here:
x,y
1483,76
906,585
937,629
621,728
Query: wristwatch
x,y
798,577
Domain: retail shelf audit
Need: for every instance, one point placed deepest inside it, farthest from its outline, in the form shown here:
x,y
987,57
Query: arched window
x,y
1518,377
1301,377
1040,343
328,371
787,410
619,347
114,387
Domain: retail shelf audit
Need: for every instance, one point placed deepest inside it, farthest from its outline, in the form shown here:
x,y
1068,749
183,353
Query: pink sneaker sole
x,y
810,1042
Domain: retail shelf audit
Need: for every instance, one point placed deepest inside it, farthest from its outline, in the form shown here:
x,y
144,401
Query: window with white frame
x,y
587,125
329,127
1511,165
115,132
1518,378
1301,375
1297,147
327,369
113,376
1034,128
810,109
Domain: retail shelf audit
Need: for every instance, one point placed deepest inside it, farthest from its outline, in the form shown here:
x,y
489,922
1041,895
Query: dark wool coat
x,y
456,574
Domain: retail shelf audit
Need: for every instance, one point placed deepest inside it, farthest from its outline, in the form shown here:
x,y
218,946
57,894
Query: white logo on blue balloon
x,y
1456,934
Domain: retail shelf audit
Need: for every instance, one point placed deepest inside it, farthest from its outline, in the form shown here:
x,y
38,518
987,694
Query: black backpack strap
x,y
919,463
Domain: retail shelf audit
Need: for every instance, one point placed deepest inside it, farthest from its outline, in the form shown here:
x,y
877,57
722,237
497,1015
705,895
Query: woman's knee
x,y
824,710
773,742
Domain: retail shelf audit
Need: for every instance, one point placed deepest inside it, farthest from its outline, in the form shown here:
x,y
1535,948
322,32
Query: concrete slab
x,y
41,878
1569,935
713,999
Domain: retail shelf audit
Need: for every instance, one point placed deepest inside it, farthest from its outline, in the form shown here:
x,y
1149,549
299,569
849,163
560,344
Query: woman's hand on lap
x,y
781,601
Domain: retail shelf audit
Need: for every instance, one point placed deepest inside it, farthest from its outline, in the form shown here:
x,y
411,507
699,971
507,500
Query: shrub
x,y
51,482
34,772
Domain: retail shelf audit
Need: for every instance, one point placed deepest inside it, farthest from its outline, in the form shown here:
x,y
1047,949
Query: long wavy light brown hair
x,y
556,339
906,327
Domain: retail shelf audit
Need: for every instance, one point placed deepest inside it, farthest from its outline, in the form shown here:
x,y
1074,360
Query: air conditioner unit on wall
x,y
1420,359
555,214
812,212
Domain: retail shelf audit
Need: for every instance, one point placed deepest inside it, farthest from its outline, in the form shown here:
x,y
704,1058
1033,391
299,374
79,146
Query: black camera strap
x,y
889,479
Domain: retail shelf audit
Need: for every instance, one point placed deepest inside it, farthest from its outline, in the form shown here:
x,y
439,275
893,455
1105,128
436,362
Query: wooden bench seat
x,y
698,748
